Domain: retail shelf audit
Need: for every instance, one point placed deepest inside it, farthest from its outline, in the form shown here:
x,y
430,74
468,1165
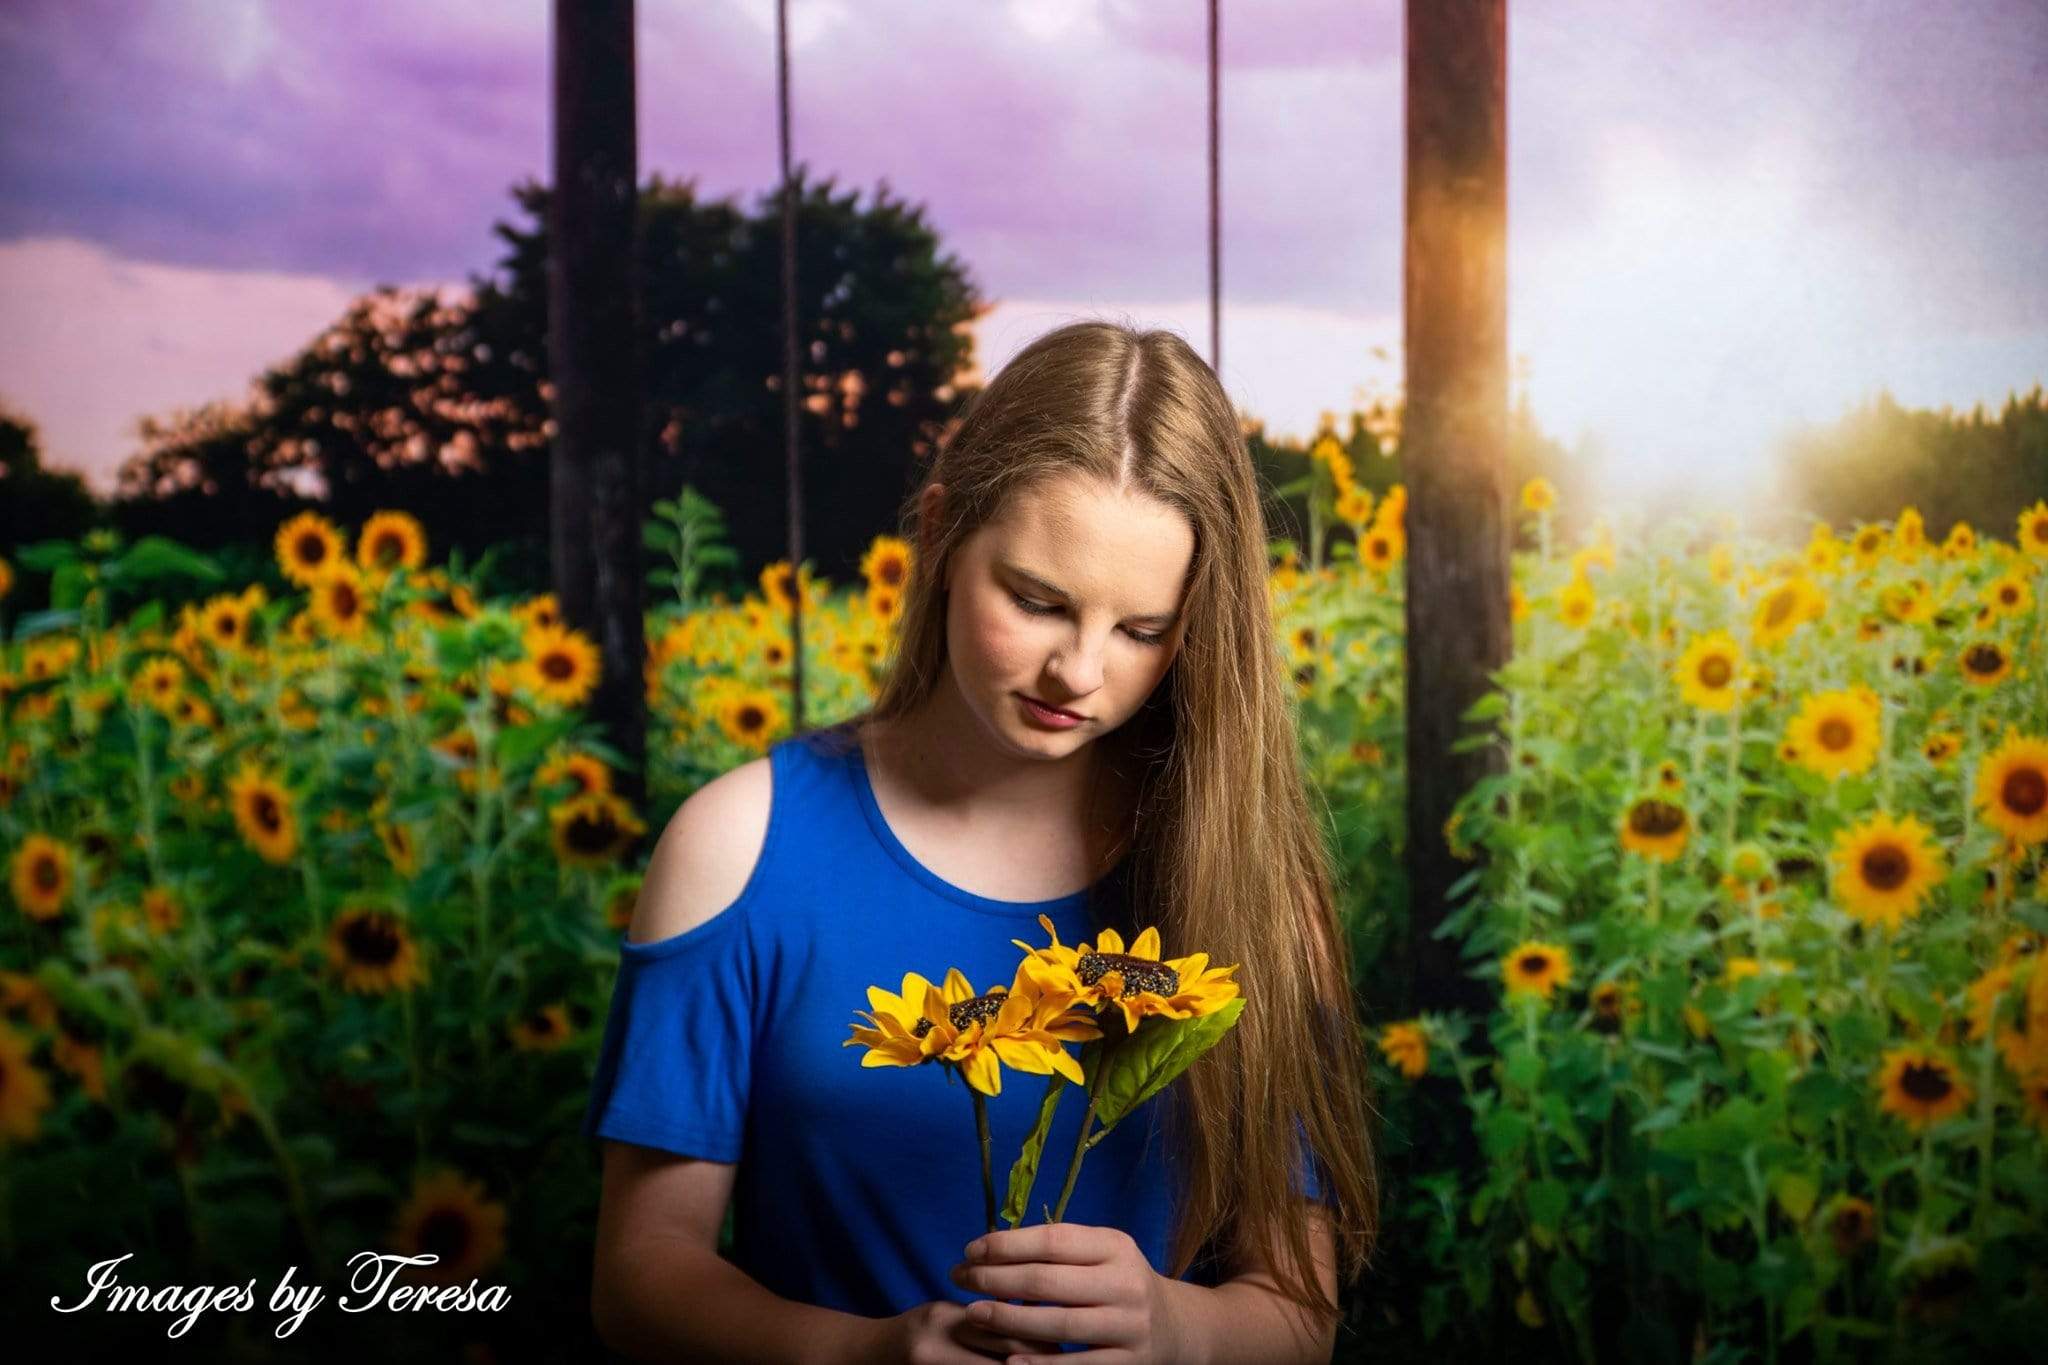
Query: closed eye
x,y
1041,609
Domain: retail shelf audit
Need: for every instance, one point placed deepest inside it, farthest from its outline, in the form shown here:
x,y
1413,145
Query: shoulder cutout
x,y
706,854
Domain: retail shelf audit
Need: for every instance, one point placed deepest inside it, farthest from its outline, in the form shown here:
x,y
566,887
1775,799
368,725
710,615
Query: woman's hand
x,y
940,1333
1088,1285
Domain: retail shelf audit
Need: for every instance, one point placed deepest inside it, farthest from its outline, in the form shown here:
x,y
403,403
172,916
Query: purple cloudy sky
x,y
1724,218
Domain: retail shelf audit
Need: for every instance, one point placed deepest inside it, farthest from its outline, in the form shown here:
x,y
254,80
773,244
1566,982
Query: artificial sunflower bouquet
x,y
1160,1016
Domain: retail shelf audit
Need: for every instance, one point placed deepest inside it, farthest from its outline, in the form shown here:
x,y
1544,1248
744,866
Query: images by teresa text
x,y
371,1276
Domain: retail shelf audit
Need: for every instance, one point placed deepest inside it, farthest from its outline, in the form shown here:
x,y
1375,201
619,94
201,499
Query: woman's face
x,y
1073,598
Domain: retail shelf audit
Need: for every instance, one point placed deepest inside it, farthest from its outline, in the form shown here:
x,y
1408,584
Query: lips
x,y
1050,707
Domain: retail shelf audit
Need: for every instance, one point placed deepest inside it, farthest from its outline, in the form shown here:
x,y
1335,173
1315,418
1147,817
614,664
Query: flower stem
x,y
988,1188
1081,1143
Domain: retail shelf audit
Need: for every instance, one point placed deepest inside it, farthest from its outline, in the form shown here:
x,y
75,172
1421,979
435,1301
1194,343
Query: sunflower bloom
x,y
561,664
1576,602
1837,733
2033,530
887,563
541,1030
1539,495
449,1216
1406,1046
263,813
1536,969
1784,609
308,547
373,951
41,876
1709,672
1921,1086
751,717
1985,662
586,772
158,684
1884,867
2012,788
24,1090
2009,595
1138,982
1655,828
593,829
341,606
388,541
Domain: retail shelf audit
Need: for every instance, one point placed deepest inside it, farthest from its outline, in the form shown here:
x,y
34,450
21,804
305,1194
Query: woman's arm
x,y
1247,1321
660,1290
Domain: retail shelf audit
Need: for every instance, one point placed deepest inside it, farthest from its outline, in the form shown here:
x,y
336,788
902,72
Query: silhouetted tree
x,y
437,402
1881,457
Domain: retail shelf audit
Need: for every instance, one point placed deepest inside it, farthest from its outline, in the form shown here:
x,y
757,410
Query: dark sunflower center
x,y
1886,867
540,1021
370,940
46,875
226,627
312,549
592,833
964,1014
1139,974
1835,733
1983,658
751,718
387,549
1655,818
446,1233
557,666
263,806
1925,1083
1715,672
1534,964
890,571
2025,791
1607,1002
2008,595
343,599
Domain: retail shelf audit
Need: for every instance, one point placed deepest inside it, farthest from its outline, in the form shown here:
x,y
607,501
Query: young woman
x,y
1086,718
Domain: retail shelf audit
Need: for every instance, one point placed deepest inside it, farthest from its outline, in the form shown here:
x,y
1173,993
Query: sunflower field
x,y
315,893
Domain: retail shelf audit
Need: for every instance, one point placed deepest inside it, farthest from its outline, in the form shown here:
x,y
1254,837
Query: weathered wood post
x,y
595,475
1454,441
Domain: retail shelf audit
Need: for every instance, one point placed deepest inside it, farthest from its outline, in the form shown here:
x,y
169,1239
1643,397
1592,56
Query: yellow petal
x,y
1112,942
956,988
1147,945
1022,1056
984,1073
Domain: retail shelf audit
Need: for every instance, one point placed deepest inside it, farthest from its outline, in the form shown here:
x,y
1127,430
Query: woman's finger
x,y
1000,1346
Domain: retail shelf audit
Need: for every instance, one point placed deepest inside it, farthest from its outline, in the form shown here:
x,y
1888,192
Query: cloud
x,y
93,341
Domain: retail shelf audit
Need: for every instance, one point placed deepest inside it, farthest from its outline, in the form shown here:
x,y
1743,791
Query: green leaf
x,y
46,556
68,585
45,623
1144,1063
1796,1192
1024,1171
1548,1200
521,742
160,557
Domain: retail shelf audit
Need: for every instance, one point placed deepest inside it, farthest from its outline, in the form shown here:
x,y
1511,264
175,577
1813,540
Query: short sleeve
x,y
1308,1181
673,1069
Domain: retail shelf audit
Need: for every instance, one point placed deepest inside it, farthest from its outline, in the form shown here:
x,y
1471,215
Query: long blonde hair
x,y
1225,853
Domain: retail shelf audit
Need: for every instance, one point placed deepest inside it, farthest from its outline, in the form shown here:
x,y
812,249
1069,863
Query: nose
x,y
1075,673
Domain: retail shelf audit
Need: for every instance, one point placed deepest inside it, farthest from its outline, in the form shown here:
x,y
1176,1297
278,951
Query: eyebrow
x,y
1156,618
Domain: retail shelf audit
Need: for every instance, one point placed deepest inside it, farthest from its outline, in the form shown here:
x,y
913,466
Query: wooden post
x,y
792,470
1454,442
595,475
